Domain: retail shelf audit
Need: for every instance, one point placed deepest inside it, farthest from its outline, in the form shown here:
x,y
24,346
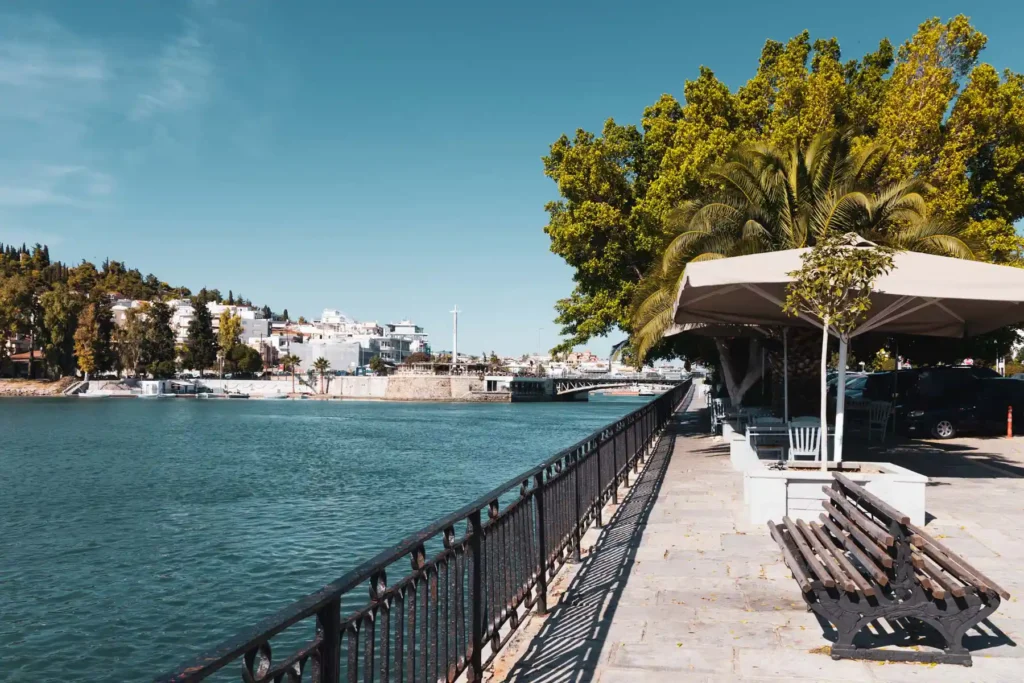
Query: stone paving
x,y
681,588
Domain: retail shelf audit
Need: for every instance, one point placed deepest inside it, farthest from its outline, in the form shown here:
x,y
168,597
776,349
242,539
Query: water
x,y
134,533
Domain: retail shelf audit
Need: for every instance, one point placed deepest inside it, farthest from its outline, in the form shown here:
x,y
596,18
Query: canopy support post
x,y
823,425
840,400
785,375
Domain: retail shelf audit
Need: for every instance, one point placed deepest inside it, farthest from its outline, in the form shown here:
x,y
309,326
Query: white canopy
x,y
923,294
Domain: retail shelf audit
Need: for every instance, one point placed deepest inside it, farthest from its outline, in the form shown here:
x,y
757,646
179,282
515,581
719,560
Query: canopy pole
x,y
823,424
840,401
785,375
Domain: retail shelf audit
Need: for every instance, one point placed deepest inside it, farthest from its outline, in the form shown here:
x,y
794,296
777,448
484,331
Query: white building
x,y
410,331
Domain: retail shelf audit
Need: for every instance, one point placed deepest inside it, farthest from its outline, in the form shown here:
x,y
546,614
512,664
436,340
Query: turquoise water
x,y
134,533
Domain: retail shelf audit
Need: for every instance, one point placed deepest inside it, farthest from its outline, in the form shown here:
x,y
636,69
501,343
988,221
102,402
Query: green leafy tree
x,y
321,366
60,308
245,360
16,308
834,286
87,340
378,366
229,332
158,352
417,357
773,199
942,118
201,344
129,340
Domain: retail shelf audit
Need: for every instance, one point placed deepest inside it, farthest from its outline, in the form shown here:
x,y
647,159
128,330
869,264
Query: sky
x,y
379,158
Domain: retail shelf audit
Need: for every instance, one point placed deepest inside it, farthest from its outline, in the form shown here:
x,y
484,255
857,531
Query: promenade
x,y
680,588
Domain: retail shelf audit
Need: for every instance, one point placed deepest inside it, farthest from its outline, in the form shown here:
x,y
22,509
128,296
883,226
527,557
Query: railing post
x,y
615,468
328,623
577,521
542,576
476,582
598,517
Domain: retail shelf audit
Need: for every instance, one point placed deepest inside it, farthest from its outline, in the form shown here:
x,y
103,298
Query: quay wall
x,y
393,388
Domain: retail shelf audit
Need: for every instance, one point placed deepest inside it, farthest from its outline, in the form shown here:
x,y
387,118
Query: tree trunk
x,y
804,359
737,390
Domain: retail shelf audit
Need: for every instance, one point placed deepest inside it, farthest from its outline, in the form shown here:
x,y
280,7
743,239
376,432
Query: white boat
x,y
270,397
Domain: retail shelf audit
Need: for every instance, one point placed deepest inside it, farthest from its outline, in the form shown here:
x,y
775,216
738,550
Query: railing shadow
x,y
570,643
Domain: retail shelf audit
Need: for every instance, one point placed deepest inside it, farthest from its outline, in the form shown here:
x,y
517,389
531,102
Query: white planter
x,y
772,494
741,456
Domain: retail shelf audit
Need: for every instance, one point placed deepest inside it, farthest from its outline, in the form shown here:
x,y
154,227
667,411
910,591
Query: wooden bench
x,y
864,561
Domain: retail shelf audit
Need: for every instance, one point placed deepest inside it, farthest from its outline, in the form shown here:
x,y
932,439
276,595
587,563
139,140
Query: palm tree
x,y
321,365
291,363
775,199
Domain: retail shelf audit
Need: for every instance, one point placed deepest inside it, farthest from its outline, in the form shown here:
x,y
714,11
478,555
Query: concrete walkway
x,y
680,588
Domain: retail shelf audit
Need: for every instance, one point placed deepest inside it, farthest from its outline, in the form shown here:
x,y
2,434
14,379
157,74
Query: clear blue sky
x,y
381,158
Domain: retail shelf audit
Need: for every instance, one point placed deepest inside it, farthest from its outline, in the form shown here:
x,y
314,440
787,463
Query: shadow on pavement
x,y
569,645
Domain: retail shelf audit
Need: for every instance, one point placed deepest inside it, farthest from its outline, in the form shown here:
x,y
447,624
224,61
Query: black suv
x,y
938,402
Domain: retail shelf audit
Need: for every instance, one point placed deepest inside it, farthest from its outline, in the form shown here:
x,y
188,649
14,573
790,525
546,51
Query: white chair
x,y
878,419
804,440
806,420
719,406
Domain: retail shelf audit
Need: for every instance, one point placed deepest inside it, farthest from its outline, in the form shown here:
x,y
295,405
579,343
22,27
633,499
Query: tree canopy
x,y
946,120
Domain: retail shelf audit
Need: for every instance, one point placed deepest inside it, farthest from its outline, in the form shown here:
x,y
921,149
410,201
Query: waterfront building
x,y
410,331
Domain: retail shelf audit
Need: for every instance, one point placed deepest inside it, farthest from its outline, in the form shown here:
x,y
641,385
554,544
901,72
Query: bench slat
x,y
842,580
851,571
879,576
874,501
937,592
939,577
957,565
799,574
869,545
872,529
812,562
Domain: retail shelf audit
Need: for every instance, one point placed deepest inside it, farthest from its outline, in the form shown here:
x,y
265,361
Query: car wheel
x,y
944,429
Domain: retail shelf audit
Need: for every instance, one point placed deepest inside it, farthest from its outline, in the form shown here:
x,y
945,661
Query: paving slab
x,y
692,593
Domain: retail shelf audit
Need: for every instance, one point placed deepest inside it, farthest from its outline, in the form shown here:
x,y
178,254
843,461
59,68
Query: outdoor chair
x,y
863,561
858,414
878,419
804,440
719,406
805,420
768,441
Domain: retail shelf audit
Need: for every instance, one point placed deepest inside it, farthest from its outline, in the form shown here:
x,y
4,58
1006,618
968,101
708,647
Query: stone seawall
x,y
394,388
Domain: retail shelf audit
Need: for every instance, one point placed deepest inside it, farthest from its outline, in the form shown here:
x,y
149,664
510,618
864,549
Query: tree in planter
x,y
834,286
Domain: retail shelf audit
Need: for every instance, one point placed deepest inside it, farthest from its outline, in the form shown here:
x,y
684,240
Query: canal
x,y
133,533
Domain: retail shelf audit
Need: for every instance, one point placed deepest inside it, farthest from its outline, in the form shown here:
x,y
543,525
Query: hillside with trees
x,y
64,312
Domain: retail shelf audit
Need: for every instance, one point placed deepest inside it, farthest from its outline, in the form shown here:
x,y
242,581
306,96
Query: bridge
x,y
566,386
576,388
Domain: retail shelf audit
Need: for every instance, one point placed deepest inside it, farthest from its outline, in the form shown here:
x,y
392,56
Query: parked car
x,y
938,401
855,382
969,407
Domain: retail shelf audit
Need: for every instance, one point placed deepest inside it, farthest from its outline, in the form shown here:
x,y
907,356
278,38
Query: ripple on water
x,y
134,533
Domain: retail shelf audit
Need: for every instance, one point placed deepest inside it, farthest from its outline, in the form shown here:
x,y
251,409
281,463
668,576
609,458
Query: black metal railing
x,y
471,577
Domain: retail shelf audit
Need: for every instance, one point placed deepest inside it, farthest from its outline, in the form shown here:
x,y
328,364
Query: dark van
x,y
937,402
